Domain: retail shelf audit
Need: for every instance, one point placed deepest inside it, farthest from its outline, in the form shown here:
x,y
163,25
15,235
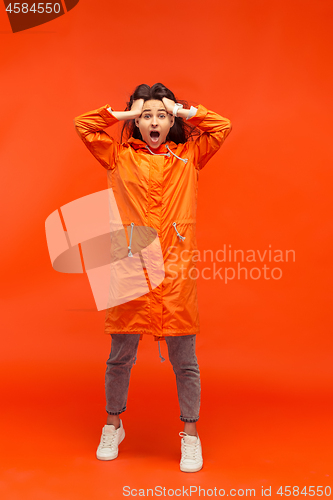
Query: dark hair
x,y
180,132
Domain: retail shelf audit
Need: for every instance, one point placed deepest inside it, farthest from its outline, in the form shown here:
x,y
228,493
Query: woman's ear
x,y
172,121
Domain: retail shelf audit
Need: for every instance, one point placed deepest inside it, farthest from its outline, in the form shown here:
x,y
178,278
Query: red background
x,y
265,347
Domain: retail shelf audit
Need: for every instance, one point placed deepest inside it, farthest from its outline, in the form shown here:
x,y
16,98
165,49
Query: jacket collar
x,y
138,144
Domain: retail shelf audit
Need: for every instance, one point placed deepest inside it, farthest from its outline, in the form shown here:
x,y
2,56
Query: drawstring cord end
x,y
185,160
159,350
182,238
129,247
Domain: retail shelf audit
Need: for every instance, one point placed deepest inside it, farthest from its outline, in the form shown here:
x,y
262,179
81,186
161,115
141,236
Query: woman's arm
x,y
215,130
90,127
182,113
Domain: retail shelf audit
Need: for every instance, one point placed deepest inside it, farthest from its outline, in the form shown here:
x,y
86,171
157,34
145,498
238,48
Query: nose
x,y
154,122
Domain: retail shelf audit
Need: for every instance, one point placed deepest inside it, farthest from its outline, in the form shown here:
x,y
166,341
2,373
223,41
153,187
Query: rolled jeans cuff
x,y
116,412
183,419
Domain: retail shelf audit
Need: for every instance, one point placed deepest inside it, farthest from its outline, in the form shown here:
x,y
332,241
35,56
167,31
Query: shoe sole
x,y
185,469
111,458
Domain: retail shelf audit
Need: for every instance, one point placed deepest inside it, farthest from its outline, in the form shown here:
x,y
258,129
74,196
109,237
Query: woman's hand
x,y
137,106
169,104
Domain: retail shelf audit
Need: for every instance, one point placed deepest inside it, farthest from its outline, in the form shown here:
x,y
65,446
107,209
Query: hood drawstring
x,y
185,160
179,235
129,248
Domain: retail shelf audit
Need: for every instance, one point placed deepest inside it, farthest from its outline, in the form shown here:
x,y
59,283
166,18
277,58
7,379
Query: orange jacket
x,y
157,189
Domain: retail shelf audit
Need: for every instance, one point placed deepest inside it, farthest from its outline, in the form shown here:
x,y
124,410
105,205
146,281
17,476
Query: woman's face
x,y
154,123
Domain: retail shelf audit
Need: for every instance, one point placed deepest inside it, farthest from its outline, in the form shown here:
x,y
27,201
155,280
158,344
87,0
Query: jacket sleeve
x,y
90,127
215,130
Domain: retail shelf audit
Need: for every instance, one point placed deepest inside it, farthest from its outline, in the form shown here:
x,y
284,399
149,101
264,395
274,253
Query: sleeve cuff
x,y
106,113
192,112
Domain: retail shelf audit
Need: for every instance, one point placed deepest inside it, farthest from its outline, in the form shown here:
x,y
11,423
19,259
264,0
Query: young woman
x,y
154,177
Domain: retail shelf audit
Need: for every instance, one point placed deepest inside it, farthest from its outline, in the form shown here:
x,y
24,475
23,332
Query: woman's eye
x,y
162,115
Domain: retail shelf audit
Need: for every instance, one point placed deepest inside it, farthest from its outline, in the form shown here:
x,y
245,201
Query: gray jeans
x,y
182,356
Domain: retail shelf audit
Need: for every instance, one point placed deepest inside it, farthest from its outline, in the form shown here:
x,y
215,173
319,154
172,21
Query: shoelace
x,y
108,439
190,450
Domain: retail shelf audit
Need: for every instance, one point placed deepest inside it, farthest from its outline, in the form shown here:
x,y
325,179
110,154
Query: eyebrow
x,y
150,110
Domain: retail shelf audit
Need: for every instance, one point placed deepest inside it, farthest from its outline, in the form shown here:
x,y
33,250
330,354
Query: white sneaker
x,y
191,460
110,439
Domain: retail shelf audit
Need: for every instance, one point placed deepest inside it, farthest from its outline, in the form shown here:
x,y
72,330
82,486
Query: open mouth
x,y
154,135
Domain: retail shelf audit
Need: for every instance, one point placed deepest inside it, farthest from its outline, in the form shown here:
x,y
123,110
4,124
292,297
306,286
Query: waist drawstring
x,y
159,350
185,160
129,248
181,238
179,235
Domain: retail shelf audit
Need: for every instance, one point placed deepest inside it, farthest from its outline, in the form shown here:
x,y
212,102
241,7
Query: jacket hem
x,y
167,333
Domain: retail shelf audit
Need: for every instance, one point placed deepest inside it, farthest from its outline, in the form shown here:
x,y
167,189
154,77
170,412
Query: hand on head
x,y
169,104
137,106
